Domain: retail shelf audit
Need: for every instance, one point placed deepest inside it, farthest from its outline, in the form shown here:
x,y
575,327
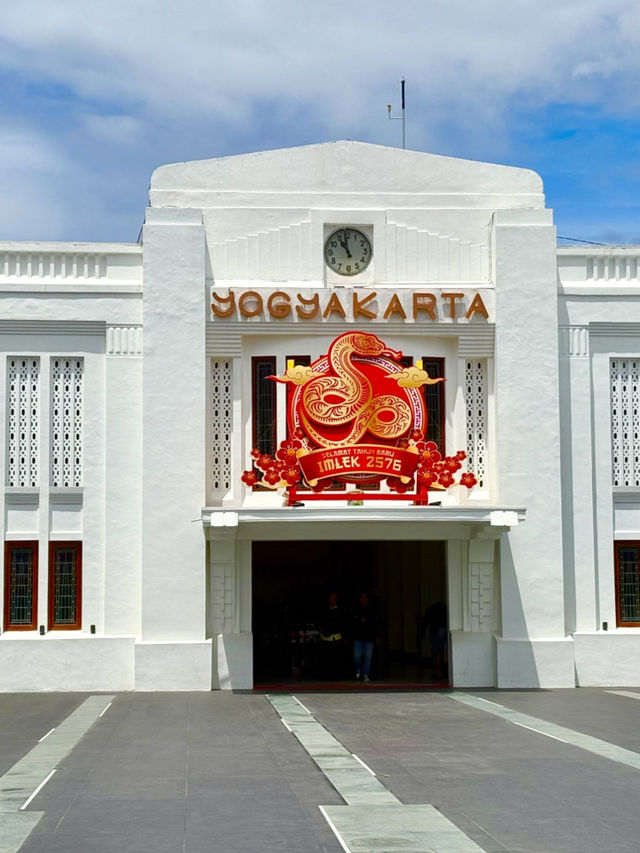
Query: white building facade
x,y
135,385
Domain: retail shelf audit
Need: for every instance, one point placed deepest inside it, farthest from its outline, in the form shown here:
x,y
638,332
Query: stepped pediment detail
x,y
401,254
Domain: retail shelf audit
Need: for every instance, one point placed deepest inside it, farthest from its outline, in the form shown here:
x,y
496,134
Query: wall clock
x,y
347,251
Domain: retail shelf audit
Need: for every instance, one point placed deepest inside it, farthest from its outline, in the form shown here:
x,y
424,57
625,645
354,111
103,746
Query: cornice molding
x,y
474,339
53,327
617,330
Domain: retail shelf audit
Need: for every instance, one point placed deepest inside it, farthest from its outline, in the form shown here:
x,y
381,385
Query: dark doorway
x,y
292,582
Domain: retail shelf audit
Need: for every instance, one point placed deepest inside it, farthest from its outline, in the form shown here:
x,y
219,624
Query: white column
x,y
175,653
472,611
230,607
93,506
123,491
45,484
577,480
533,650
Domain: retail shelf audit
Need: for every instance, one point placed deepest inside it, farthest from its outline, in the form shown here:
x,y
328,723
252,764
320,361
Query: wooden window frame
x,y
76,546
617,545
271,360
8,547
439,387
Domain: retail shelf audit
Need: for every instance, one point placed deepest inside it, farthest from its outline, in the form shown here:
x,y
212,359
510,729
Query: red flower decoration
x,y
264,461
291,476
452,464
250,478
272,477
288,452
445,479
426,477
468,480
255,453
461,455
298,433
428,454
416,435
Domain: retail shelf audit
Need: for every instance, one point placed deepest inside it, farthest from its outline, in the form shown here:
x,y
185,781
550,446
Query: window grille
x,y
222,423
20,586
23,408
65,567
66,421
476,405
625,422
434,402
264,404
628,583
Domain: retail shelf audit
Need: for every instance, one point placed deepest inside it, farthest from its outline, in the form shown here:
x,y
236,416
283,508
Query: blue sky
x,y
95,96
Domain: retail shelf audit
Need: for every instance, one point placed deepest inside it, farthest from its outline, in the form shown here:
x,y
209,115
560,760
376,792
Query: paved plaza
x,y
449,771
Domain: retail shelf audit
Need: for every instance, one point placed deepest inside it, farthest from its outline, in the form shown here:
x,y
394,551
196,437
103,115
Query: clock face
x,y
347,251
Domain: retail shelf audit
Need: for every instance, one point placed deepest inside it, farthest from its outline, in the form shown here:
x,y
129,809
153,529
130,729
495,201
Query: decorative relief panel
x,y
223,588
124,340
574,341
475,392
481,585
625,421
276,254
222,424
412,255
613,268
23,409
420,256
481,597
65,265
66,421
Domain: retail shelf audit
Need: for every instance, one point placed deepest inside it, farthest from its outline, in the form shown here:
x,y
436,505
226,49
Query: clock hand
x,y
345,245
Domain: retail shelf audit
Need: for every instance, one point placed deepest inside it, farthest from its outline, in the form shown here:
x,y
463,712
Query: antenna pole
x,y
403,114
400,117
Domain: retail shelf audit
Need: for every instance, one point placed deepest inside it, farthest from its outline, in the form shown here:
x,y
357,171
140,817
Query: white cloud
x,y
135,83
116,129
222,57
23,150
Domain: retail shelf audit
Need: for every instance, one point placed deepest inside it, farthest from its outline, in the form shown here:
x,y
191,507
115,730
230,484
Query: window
x,y
264,404
627,560
221,423
23,409
67,384
625,422
434,402
476,404
20,586
65,585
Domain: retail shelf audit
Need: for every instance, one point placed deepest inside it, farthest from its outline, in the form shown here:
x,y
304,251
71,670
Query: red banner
x,y
372,459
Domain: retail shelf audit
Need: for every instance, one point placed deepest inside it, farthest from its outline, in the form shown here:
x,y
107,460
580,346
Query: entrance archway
x,y
291,584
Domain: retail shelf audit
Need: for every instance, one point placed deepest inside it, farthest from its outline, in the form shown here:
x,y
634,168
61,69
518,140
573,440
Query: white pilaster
x,y
174,454
123,487
528,442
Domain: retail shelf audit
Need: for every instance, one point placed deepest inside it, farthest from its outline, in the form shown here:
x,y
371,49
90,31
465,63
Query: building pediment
x,y
346,167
